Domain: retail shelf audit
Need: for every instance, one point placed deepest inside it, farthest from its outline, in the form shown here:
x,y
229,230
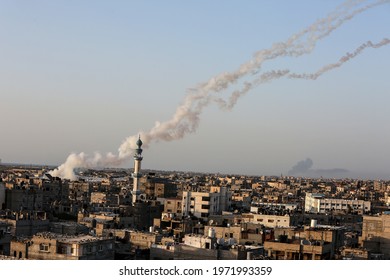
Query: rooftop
x,y
69,238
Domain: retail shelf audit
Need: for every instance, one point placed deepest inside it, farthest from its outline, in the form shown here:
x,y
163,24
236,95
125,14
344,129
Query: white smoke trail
x,y
187,115
341,61
294,46
276,74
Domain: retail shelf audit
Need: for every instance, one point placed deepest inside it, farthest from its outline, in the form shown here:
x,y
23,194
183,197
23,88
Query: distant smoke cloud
x,y
301,167
186,118
304,168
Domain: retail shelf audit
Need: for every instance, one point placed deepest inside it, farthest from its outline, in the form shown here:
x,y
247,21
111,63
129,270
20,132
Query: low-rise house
x,y
51,246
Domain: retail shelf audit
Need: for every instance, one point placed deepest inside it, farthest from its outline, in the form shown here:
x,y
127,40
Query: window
x,y
205,206
62,249
205,198
44,247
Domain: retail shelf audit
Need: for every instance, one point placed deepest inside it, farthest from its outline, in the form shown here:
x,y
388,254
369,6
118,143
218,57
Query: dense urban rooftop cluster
x,y
179,215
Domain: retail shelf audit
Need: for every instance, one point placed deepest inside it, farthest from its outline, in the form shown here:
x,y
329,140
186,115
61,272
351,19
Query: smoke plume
x,y
304,168
187,116
301,167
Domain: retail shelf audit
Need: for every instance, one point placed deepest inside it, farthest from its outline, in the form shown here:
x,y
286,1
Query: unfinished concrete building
x,y
376,234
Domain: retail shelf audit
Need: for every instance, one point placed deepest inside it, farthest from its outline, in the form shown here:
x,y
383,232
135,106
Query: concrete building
x,y
54,191
155,187
270,221
144,239
28,198
259,207
144,213
104,199
25,223
317,203
295,250
204,204
5,239
310,243
241,234
173,205
68,228
376,234
231,234
51,246
80,192
355,254
2,195
200,247
174,226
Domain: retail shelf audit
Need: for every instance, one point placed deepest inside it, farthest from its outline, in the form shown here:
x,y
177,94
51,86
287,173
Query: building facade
x,y
376,234
204,204
51,246
317,203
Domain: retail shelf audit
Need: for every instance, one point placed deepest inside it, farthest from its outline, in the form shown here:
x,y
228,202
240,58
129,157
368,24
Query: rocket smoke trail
x,y
341,61
276,74
186,118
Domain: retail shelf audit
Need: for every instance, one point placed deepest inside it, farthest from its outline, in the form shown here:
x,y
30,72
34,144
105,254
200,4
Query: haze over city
x,y
80,77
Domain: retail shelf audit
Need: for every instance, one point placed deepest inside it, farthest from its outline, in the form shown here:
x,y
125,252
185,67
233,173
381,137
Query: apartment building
x,y
376,234
318,203
203,204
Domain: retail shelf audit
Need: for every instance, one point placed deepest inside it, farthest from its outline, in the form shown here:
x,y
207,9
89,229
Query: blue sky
x,y
82,76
